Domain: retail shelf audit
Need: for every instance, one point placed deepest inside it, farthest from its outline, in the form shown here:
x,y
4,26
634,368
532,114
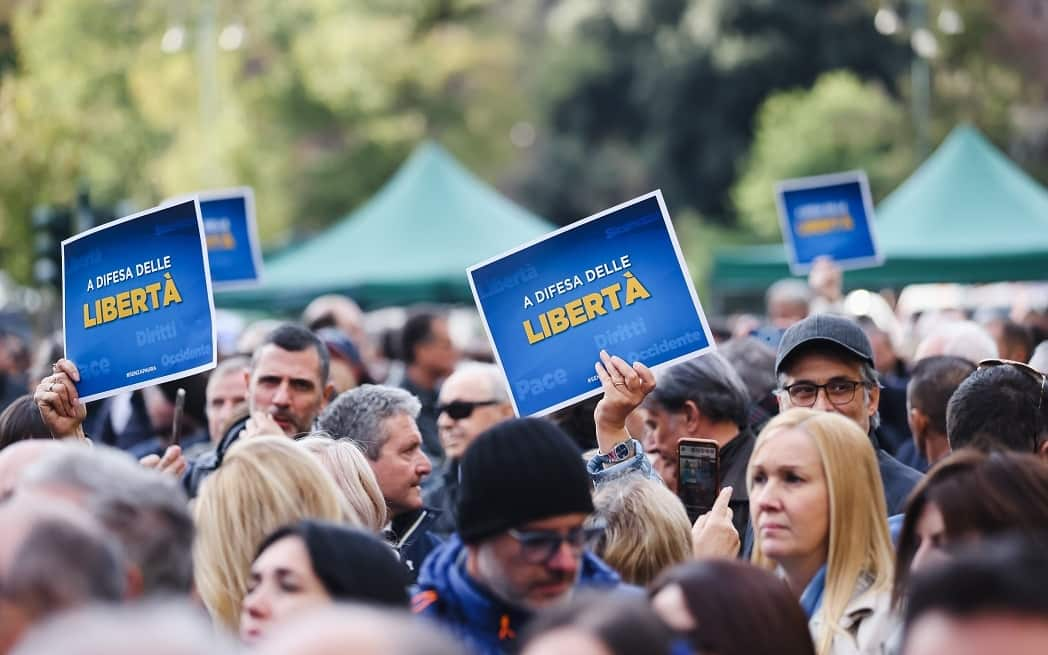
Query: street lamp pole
x,y
920,77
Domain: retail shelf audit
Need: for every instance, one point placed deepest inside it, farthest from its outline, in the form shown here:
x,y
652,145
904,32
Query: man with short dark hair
x,y
933,381
1001,406
287,387
823,362
521,543
429,357
989,599
381,420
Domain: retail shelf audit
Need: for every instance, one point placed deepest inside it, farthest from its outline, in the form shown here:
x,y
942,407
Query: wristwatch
x,y
620,452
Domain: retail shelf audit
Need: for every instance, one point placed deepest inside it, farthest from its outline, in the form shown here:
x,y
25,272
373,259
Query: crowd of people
x,y
326,491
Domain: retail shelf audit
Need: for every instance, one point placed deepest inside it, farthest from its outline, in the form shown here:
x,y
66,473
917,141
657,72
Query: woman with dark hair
x,y
597,624
315,563
729,607
20,421
969,495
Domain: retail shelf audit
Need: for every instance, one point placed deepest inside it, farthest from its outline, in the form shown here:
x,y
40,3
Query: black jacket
x,y
412,537
443,496
208,463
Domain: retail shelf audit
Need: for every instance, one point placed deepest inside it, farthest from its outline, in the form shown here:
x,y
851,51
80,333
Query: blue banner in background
x,y
828,216
615,281
232,238
136,301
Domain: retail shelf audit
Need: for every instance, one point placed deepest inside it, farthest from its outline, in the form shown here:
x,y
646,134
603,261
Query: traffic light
x,y
50,225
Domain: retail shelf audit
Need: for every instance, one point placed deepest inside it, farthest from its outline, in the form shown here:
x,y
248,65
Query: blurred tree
x,y
644,93
840,124
314,105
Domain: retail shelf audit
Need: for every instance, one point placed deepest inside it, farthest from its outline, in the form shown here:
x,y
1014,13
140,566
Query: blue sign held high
x,y
615,281
828,216
137,308
232,238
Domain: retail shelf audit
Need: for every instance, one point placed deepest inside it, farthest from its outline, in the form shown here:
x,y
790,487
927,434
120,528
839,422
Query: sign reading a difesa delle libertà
x,y
614,281
137,307
828,216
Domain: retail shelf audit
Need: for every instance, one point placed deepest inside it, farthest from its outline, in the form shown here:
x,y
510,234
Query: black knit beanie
x,y
518,471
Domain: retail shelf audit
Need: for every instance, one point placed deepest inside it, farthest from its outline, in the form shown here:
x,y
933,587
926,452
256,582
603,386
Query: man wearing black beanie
x,y
521,544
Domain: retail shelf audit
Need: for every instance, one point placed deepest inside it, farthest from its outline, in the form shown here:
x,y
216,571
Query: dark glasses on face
x,y
460,409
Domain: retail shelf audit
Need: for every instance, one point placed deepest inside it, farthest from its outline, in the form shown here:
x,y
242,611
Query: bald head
x,y
17,457
475,399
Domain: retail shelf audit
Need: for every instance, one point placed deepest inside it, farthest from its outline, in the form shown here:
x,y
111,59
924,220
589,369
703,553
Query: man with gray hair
x,y
52,558
165,627
144,510
703,398
471,400
381,420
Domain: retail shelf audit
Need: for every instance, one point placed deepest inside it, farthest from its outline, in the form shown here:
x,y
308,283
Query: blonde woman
x,y
819,518
646,528
264,483
344,460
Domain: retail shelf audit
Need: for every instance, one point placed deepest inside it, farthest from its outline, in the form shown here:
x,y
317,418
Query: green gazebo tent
x,y
411,242
967,215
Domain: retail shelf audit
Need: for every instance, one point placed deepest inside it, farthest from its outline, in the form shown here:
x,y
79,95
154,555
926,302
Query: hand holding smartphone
x,y
698,475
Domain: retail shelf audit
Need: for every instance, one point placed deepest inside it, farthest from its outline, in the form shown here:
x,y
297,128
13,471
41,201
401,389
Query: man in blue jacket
x,y
521,544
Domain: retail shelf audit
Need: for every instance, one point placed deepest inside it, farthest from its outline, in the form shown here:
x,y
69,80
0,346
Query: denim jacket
x,y
639,463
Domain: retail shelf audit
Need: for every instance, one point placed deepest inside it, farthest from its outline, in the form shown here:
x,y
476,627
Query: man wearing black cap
x,y
825,362
521,544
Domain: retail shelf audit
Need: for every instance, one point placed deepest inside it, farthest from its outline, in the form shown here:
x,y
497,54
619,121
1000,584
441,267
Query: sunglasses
x,y
460,409
539,546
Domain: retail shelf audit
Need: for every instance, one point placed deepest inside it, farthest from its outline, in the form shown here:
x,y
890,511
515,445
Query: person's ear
x,y
918,422
874,401
692,418
135,588
1042,449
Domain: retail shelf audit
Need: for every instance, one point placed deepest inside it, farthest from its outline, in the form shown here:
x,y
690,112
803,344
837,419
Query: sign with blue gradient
x,y
828,216
614,281
232,238
137,308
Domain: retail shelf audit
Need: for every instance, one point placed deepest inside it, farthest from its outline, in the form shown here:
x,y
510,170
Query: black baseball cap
x,y
837,331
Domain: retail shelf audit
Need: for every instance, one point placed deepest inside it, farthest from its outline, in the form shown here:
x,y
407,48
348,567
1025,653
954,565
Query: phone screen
x,y
697,477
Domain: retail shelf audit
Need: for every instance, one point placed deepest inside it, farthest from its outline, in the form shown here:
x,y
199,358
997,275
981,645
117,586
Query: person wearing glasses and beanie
x,y
825,362
521,543
471,400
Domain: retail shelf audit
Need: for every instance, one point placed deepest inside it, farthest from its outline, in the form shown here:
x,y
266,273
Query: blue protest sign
x,y
828,216
137,308
232,238
614,281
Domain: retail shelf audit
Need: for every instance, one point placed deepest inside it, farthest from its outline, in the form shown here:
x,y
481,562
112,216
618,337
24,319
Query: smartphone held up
x,y
698,475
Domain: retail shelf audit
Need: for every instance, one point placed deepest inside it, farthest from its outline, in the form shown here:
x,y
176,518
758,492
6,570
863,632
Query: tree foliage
x,y
840,124
321,103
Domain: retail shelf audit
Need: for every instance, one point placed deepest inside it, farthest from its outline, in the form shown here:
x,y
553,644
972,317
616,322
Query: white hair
x,y
159,628
965,339
1039,359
